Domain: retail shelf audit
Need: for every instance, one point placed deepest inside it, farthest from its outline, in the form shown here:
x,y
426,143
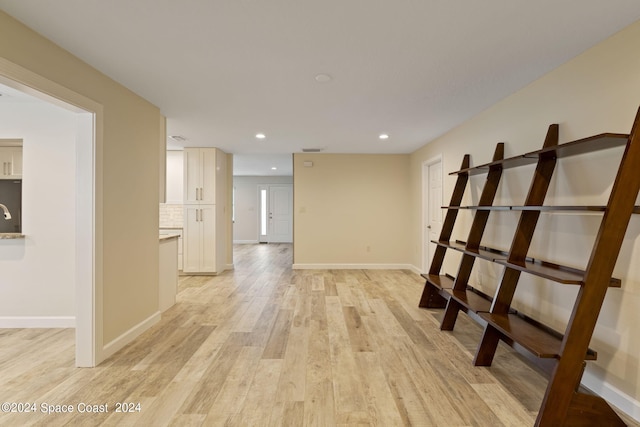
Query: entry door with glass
x,y
276,213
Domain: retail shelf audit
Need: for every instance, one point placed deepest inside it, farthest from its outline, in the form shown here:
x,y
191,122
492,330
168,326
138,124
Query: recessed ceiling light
x,y
323,78
383,136
261,135
274,168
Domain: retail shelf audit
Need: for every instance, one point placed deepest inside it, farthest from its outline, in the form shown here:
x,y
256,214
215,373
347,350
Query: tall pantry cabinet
x,y
205,191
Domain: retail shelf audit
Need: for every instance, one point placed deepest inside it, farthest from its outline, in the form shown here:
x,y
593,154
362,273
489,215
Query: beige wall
x,y
351,209
599,91
129,174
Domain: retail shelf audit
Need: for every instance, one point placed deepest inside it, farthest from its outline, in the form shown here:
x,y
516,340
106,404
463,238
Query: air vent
x,y
311,150
178,138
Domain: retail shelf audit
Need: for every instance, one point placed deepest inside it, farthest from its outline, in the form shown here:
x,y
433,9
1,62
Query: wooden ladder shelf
x,y
562,356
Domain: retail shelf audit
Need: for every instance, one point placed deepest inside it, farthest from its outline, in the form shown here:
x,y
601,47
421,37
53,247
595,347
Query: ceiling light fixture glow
x,y
261,135
274,168
383,136
323,78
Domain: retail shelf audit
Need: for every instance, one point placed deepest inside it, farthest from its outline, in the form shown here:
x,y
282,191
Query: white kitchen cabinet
x,y
206,216
11,162
200,175
199,251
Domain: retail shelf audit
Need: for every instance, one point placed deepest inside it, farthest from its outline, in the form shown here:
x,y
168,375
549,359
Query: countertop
x,y
164,237
11,236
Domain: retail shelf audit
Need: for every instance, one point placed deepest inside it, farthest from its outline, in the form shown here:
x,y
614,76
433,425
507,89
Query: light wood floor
x,y
267,346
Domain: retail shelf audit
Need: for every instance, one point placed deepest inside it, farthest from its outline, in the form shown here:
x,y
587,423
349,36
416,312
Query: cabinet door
x,y
208,223
208,184
5,162
192,175
192,239
16,171
11,162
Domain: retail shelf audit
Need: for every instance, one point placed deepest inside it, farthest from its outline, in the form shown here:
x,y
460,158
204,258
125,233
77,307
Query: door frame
x,y
89,238
425,206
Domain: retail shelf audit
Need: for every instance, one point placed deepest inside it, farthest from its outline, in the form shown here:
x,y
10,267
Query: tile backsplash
x,y
171,216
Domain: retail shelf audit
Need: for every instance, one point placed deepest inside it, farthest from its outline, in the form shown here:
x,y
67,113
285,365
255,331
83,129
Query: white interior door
x,y
281,213
432,208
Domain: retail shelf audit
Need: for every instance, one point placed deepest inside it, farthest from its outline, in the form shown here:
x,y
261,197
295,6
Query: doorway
x,y
88,286
431,208
275,213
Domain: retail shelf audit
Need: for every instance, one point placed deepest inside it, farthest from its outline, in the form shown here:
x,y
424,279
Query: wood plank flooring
x,y
264,345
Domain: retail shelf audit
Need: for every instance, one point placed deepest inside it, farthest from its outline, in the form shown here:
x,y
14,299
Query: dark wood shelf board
x,y
483,252
480,208
602,141
539,340
560,208
470,300
557,273
636,209
439,281
581,146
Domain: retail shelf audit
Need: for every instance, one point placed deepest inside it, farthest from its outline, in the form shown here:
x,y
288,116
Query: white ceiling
x,y
222,71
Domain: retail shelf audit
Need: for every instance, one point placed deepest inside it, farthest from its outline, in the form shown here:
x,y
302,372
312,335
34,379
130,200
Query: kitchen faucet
x,y
7,214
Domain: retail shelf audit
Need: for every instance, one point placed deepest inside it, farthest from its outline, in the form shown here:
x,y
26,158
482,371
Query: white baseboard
x,y
353,267
112,347
245,242
13,322
415,269
612,394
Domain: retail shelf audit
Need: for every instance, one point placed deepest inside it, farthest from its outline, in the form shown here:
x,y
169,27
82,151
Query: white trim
x,y
353,267
245,242
12,322
88,203
612,394
416,269
230,267
112,347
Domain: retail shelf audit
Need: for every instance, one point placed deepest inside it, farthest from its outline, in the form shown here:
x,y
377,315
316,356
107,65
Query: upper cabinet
x,y
11,162
200,175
